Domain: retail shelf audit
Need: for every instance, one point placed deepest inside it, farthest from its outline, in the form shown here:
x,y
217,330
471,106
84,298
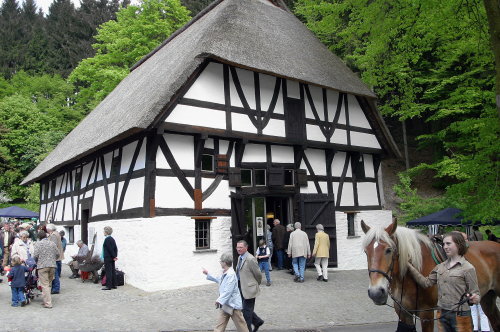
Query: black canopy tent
x,y
17,212
445,217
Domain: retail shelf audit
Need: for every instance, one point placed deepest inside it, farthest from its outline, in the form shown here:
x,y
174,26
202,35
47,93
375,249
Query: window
x,y
70,232
289,177
350,224
115,167
202,233
207,162
78,180
260,177
246,177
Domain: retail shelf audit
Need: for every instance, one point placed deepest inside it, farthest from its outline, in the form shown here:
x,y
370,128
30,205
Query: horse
x,y
389,251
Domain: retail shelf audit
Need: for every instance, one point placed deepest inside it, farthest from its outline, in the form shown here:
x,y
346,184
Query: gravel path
x,y
284,306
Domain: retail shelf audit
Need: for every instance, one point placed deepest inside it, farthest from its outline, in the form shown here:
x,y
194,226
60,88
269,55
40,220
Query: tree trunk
x,y
493,13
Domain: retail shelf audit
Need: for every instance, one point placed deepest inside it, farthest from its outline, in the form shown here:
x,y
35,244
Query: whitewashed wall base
x,y
350,254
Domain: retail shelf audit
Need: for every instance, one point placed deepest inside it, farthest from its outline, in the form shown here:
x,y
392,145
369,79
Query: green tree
x,y
35,114
426,60
10,38
121,43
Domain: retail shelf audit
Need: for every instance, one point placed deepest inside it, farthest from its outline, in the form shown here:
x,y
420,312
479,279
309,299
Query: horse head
x,y
381,252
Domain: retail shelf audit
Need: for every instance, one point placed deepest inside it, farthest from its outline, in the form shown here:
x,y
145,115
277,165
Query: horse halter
x,y
387,274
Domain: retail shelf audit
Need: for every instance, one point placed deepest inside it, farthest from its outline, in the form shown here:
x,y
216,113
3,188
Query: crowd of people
x,y
26,247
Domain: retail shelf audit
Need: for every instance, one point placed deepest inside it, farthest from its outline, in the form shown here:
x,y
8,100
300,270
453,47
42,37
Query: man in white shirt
x,y
299,249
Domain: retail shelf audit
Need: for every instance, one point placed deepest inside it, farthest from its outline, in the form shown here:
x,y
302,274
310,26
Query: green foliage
x,y
35,114
121,43
429,60
412,205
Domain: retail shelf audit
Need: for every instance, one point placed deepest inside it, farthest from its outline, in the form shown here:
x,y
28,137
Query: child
x,y
262,254
17,273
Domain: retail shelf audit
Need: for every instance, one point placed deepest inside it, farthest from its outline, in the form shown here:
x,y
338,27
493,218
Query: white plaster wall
x,y
161,161
209,86
43,211
317,96
197,116
58,185
134,197
127,154
267,84
254,153
367,193
86,174
164,258
59,212
350,254
347,198
223,146
369,170
99,202
365,140
356,116
293,89
342,115
68,209
141,158
275,128
182,148
338,164
209,143
339,136
241,122
317,160
332,98
219,199
247,85
314,133
171,194
282,154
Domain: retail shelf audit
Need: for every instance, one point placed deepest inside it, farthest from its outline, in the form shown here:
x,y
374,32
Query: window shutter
x,y
358,166
302,177
222,163
235,177
276,176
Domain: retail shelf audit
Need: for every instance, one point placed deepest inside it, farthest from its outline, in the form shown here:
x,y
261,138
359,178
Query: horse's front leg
x,y
427,321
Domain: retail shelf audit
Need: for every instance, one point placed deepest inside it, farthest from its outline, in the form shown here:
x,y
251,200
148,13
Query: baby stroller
x,y
31,283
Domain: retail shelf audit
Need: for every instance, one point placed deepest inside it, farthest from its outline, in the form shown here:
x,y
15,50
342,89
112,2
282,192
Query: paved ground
x,y
285,306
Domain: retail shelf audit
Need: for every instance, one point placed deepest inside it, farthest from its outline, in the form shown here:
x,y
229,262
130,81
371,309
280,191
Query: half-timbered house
x,y
239,117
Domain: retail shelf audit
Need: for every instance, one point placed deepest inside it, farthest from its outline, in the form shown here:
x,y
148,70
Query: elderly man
x,y
249,279
55,237
74,265
109,255
299,249
278,237
46,254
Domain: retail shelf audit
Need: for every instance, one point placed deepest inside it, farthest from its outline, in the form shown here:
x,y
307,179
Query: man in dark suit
x,y
110,255
249,279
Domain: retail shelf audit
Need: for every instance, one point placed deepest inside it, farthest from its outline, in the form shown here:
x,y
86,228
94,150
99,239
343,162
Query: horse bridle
x,y
388,274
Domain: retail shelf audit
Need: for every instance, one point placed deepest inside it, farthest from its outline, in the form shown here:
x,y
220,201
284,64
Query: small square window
x,y
350,224
70,232
289,177
202,234
260,177
246,177
207,163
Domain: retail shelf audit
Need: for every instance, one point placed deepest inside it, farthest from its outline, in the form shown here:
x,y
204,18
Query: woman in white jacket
x,y
229,300
22,247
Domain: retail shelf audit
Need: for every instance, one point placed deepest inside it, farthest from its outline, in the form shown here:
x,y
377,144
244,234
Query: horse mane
x,y
408,245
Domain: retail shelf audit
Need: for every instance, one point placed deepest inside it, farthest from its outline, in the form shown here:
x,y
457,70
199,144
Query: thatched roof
x,y
253,34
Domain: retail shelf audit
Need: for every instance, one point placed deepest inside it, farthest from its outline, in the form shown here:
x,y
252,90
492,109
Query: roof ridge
x,y
177,32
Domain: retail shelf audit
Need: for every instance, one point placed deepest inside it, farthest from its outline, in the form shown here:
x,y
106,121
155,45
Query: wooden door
x,y
319,209
295,126
84,231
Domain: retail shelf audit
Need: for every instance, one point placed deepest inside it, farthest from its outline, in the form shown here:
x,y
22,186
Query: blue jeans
x,y
264,266
56,283
299,265
17,296
280,254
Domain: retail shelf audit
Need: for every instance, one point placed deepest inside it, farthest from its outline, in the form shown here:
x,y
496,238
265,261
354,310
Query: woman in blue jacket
x,y
229,300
